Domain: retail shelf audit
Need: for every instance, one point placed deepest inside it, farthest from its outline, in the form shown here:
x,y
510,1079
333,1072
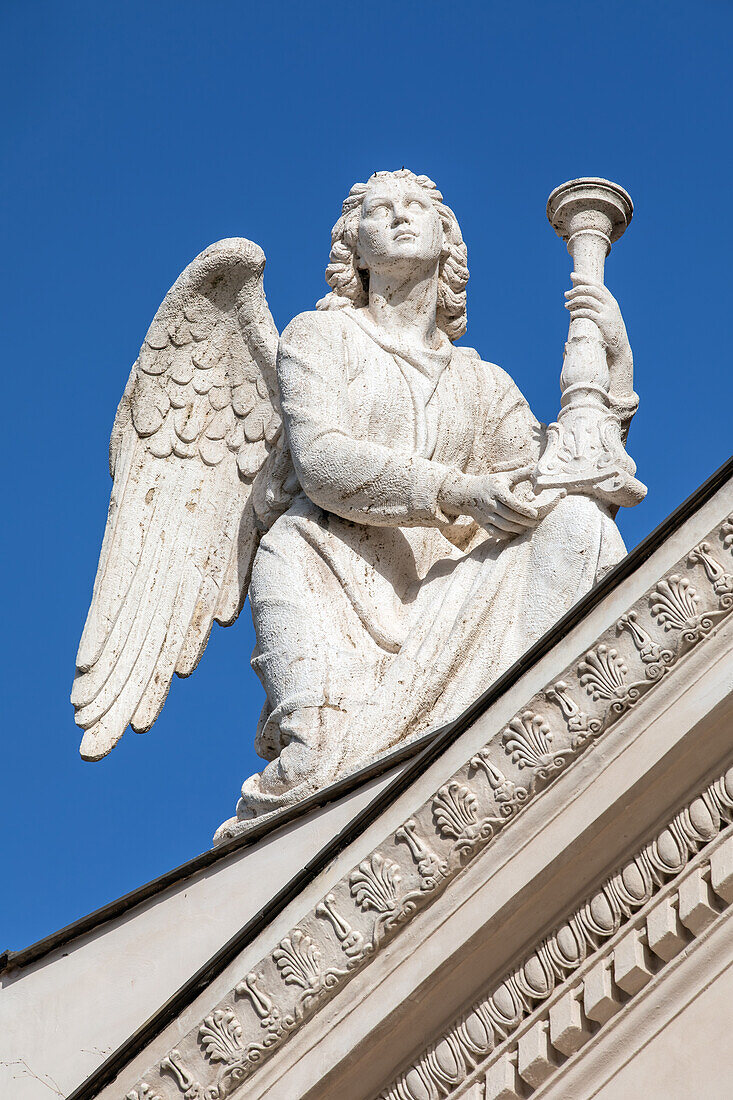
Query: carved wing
x,y
198,462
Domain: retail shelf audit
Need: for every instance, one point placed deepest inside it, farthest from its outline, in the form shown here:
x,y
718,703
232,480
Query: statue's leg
x,y
571,549
313,657
287,661
309,759
498,602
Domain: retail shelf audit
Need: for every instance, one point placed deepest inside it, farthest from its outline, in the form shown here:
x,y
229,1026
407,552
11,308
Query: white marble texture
x,y
373,486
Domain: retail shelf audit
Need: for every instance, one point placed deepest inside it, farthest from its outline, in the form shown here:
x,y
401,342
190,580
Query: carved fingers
x,y
508,504
516,523
546,499
498,510
586,299
596,303
489,499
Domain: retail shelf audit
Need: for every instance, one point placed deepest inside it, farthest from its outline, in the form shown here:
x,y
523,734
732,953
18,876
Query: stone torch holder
x,y
585,452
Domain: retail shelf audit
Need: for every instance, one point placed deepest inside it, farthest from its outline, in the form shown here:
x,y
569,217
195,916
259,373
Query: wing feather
x,y
197,421
214,584
128,541
95,690
131,569
189,584
236,581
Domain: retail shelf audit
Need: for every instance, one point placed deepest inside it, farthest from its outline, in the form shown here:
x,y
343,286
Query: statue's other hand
x,y
489,499
595,301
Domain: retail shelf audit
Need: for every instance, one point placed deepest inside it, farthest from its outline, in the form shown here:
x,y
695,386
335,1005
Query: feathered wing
x,y
199,462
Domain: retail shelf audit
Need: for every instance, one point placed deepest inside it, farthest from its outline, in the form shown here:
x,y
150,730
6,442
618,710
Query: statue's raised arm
x,y
197,461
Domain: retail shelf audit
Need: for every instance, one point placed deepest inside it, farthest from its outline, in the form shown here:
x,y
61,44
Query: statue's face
x,y
399,228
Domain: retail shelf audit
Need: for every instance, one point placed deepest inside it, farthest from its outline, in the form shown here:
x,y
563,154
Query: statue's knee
x,y
573,522
576,505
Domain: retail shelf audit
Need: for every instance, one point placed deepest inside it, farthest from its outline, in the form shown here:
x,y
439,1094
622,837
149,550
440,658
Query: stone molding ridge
x,y
368,906
514,1038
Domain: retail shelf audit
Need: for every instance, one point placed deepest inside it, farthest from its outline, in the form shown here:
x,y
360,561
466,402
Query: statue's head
x,y
397,220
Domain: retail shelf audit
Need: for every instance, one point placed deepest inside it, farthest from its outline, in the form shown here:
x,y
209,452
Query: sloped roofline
x,y
420,755
15,960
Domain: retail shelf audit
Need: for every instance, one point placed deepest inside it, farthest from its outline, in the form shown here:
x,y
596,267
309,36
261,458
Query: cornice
x,y
516,1036
213,857
368,907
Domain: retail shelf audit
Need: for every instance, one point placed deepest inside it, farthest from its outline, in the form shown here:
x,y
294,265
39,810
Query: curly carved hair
x,y
350,286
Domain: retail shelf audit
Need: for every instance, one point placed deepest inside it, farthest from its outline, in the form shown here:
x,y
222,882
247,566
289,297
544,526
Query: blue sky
x,y
136,134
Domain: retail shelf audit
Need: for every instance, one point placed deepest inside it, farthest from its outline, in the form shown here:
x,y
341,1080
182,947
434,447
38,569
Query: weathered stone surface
x,y
374,487
421,859
634,698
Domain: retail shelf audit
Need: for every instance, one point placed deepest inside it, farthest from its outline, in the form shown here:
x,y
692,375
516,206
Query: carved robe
x,y
377,616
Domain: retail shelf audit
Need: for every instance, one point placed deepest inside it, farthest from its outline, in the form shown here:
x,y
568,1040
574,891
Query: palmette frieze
x,y
220,1036
726,533
721,581
143,1092
580,725
455,810
654,656
368,906
515,1036
266,1010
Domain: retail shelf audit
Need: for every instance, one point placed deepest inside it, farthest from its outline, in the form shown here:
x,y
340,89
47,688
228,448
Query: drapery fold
x,y
377,616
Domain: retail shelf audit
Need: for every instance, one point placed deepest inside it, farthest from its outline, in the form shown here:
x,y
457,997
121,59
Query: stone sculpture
x,y
404,526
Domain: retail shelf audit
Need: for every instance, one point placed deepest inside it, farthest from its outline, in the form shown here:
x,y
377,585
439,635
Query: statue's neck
x,y
405,308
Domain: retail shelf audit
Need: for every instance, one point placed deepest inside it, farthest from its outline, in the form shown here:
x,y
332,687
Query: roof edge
x,y
431,744
14,960
441,740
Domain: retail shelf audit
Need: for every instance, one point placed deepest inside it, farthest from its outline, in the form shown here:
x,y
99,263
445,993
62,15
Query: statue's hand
x,y
596,302
489,499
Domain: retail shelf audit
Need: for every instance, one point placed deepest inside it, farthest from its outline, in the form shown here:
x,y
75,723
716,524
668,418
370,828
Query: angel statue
x,y
364,478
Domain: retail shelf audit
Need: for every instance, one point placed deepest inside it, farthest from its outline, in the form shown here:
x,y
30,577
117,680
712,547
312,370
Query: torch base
x,y
585,454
